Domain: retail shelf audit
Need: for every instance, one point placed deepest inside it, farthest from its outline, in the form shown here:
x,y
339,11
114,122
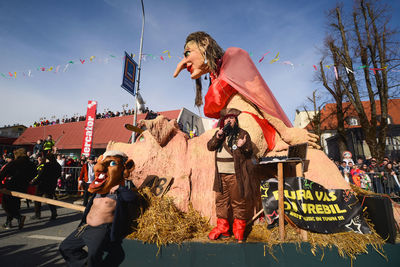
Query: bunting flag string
x,y
262,58
167,51
163,56
275,59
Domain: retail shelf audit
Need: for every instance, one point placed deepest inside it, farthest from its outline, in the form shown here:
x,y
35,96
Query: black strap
x,y
224,159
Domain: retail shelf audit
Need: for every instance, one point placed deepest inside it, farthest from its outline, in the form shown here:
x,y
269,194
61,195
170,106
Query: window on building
x,y
187,127
389,119
353,121
396,142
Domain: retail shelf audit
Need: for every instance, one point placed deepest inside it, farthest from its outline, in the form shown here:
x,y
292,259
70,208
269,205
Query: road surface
x,y
37,243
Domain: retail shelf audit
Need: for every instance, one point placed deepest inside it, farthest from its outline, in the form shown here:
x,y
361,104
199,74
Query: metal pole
x,y
138,79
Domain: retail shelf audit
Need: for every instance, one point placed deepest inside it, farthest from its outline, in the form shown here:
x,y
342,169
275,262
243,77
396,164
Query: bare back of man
x,y
102,211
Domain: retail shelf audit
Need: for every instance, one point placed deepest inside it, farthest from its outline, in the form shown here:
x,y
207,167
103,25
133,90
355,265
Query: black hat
x,y
92,157
232,112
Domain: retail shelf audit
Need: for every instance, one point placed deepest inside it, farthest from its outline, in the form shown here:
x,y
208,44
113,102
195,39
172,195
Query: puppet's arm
x,y
292,136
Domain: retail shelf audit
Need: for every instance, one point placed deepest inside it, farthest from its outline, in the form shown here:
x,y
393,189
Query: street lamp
x,y
138,79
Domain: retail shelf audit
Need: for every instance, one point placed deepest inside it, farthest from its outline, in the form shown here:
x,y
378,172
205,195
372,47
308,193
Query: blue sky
x,y
47,34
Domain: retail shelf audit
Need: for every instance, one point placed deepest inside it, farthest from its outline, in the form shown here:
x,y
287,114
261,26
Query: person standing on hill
x,y
48,145
38,148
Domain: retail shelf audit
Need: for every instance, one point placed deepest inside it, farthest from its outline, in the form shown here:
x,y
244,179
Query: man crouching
x,y
106,219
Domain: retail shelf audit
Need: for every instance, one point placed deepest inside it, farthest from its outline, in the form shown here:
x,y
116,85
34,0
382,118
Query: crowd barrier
x,y
68,182
379,182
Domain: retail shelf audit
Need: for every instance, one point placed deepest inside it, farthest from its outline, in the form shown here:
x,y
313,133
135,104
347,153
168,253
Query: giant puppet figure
x,y
107,217
236,83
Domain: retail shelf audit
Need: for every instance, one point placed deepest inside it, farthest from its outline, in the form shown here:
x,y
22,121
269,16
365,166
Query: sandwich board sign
x,y
129,74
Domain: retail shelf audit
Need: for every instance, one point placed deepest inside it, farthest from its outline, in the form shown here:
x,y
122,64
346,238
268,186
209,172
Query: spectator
x,y
38,148
360,162
355,175
343,167
390,180
364,167
61,160
46,182
86,178
19,172
376,176
48,145
395,165
2,161
365,180
382,166
374,165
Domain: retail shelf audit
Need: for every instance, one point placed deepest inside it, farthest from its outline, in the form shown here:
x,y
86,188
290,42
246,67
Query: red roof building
x,y
329,121
355,135
68,137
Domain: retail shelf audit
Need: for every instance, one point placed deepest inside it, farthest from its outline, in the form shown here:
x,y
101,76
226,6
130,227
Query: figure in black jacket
x,y
106,220
18,173
46,182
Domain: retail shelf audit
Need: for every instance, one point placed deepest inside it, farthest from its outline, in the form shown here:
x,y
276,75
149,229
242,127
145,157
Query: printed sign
x,y
347,155
129,75
89,127
312,207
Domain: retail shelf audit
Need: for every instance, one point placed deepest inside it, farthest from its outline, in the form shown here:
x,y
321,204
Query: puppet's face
x,y
231,120
193,61
110,172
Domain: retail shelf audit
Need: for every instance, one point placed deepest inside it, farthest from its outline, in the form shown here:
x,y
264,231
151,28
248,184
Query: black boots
x,y
53,216
36,216
7,225
21,222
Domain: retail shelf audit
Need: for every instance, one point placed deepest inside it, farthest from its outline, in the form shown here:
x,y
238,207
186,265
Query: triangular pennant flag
x,y
349,70
167,51
336,73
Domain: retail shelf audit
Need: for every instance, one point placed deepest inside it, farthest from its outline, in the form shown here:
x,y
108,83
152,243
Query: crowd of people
x,y
42,172
104,115
20,172
369,174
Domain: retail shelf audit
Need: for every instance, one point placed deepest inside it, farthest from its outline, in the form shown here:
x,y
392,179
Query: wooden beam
x,y
299,173
44,200
281,209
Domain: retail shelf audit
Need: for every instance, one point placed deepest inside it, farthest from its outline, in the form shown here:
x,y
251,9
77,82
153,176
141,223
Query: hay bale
x,y
163,223
348,244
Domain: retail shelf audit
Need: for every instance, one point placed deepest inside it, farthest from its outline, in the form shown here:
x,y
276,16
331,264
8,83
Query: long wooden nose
x,y
181,65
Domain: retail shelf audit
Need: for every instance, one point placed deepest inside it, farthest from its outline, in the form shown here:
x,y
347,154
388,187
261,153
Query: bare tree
x,y
364,40
314,115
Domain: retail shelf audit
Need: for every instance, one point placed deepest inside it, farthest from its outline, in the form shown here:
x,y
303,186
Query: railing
x,y
378,182
68,182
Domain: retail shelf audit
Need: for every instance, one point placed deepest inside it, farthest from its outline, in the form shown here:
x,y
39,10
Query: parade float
x,y
320,214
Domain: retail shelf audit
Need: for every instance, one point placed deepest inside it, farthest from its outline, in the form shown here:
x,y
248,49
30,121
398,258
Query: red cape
x,y
239,71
